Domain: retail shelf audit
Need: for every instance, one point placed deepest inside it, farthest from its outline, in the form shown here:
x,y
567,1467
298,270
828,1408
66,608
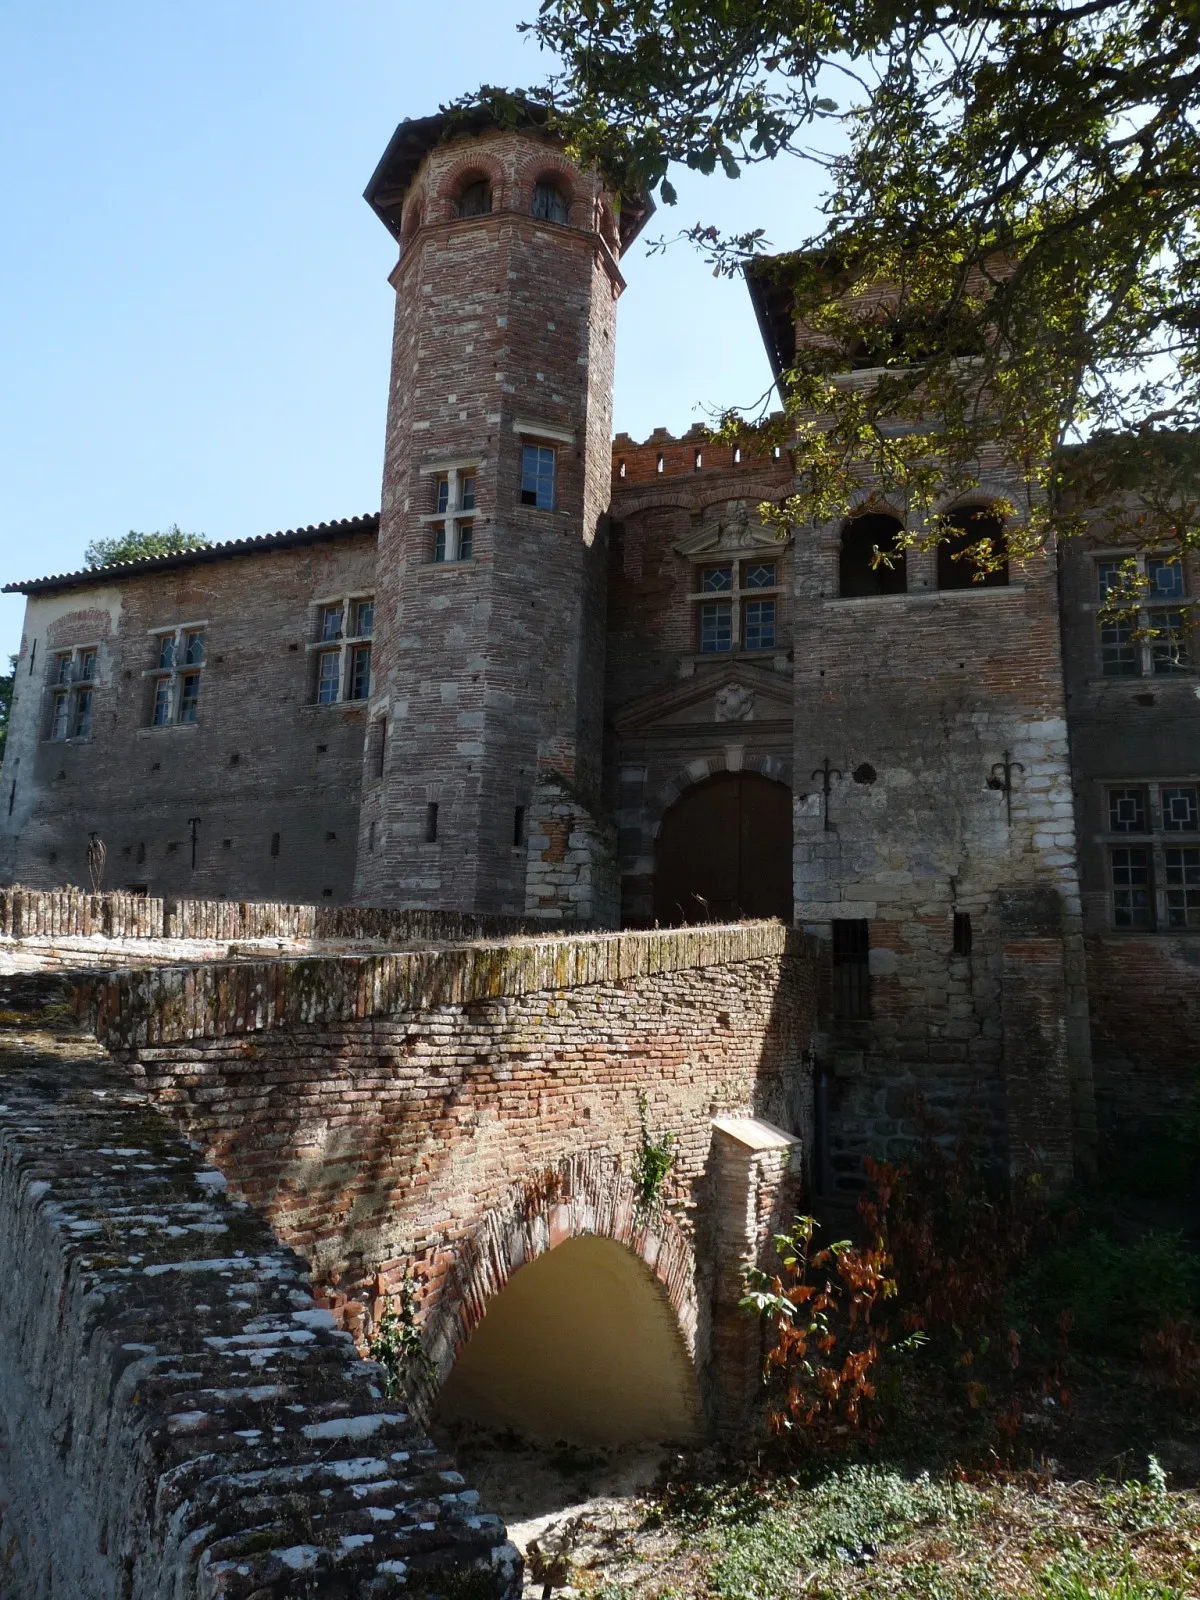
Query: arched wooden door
x,y
725,852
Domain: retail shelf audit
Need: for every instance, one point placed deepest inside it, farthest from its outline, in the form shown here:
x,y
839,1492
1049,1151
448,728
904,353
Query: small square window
x,y
87,666
759,630
189,696
58,717
331,622
1183,886
360,673
466,492
166,650
1118,652
1169,642
537,476
759,575
161,714
1130,870
1166,578
82,725
716,628
364,618
1181,809
1127,810
328,677
193,649
466,540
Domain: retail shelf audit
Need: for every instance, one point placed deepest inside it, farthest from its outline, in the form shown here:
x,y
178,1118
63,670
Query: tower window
x,y
378,746
537,476
962,933
549,202
431,822
274,844
476,199
358,679
329,665
518,826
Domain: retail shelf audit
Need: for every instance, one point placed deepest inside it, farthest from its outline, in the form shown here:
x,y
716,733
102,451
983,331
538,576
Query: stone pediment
x,y
724,693
732,527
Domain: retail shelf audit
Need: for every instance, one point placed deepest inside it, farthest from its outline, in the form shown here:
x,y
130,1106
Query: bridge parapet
x,y
380,1109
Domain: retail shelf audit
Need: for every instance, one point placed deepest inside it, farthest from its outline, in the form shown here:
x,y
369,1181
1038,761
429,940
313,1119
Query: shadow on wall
x,y
582,1344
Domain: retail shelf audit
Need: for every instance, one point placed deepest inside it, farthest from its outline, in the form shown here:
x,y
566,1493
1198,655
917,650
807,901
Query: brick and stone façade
x,y
625,685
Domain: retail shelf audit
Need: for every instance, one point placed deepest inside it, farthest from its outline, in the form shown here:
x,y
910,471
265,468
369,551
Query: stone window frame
x,y
736,597
175,677
1142,643
72,676
345,646
533,432
449,528
1172,883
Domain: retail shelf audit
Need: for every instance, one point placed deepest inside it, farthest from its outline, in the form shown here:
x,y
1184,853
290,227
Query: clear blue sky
x,y
194,317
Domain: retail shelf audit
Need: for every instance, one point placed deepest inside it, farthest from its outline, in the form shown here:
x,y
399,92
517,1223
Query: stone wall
x,y
177,1415
380,1110
272,777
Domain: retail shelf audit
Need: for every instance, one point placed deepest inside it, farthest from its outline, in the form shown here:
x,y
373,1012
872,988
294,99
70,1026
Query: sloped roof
x,y
290,538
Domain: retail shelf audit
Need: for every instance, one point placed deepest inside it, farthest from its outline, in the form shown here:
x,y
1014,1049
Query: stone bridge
x,y
466,1119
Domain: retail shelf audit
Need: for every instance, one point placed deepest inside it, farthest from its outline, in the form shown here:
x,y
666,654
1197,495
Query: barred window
x,y
1127,810
1169,642
1130,869
1183,886
716,628
1181,808
758,629
1119,654
1139,638
1165,576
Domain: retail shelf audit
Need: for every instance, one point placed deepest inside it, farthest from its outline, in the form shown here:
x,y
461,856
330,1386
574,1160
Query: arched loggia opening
x,y
581,1344
857,575
725,852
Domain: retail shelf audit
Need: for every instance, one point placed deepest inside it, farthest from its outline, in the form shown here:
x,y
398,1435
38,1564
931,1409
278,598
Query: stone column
x,y
757,1184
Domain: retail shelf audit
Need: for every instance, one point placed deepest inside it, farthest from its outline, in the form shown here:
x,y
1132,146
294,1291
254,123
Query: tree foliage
x,y
137,546
1009,233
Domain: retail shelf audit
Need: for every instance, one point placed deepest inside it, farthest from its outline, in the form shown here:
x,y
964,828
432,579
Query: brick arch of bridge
x,y
587,1195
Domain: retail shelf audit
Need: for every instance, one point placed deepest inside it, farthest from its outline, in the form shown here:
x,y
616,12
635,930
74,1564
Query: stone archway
x,y
724,852
566,1248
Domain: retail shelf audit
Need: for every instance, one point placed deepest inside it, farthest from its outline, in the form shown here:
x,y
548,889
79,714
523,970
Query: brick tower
x,y
482,762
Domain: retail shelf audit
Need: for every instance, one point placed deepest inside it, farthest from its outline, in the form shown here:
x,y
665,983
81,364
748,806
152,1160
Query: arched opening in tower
x,y
581,1344
725,852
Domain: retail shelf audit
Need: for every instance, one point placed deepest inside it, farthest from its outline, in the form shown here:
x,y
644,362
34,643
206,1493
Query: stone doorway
x,y
725,852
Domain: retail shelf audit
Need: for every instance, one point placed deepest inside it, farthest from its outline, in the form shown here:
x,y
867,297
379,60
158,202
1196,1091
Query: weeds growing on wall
x,y
395,1342
653,1162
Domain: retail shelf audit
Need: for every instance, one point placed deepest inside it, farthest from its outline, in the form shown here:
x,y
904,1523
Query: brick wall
x,y
668,728
490,669
261,759
1146,1028
380,1109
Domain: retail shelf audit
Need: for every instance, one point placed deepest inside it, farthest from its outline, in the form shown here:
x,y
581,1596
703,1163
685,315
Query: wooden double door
x,y
725,852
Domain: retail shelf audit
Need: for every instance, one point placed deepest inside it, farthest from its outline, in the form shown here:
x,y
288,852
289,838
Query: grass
x,y
858,1532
